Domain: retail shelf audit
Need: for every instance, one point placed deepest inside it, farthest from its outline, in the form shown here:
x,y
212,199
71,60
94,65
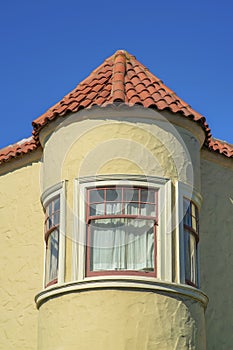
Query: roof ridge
x,y
118,77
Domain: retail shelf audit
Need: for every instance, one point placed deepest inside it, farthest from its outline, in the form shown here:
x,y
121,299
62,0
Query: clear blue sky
x,y
48,47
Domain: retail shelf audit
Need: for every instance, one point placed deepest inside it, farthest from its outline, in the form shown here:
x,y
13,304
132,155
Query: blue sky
x,y
48,47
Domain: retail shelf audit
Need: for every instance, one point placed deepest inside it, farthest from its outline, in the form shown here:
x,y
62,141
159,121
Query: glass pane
x,y
122,244
148,210
187,213
187,255
56,218
193,259
113,208
96,196
113,194
57,204
97,209
148,195
140,245
107,244
50,208
131,194
52,256
131,209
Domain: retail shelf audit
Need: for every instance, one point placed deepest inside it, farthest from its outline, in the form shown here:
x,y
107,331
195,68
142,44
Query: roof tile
x,y
119,77
18,149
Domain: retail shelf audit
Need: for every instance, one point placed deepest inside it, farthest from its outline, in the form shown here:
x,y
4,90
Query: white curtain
x,y
52,255
122,244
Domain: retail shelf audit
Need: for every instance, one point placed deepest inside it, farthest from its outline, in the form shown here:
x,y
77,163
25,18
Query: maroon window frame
x,y
51,224
191,227
122,214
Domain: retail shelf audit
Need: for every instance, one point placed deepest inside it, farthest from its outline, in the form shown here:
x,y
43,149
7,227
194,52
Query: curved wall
x,y
131,141
121,320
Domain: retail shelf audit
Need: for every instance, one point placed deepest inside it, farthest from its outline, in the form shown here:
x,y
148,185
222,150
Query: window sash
x,y
52,233
191,238
104,220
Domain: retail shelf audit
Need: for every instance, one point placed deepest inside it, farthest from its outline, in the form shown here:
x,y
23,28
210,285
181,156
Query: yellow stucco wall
x,y
86,141
216,249
103,142
93,143
21,250
121,320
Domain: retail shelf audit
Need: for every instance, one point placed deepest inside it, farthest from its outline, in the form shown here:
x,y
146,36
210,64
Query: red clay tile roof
x,y
120,78
221,147
18,149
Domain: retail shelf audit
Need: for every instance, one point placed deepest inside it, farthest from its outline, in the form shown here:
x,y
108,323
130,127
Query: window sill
x,y
121,282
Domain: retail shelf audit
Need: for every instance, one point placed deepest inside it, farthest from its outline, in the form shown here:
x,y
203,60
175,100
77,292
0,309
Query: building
x,y
116,222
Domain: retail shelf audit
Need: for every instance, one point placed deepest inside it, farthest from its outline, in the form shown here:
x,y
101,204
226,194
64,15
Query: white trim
x,y
184,190
123,282
52,192
164,235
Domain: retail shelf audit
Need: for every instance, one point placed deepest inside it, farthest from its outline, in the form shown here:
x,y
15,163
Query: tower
x,y
121,195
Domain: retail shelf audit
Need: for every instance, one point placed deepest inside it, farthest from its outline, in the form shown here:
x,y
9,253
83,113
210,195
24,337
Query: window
x,y
52,228
191,238
121,230
53,201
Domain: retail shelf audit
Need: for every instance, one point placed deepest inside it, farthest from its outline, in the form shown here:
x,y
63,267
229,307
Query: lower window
x,y
52,221
191,238
121,230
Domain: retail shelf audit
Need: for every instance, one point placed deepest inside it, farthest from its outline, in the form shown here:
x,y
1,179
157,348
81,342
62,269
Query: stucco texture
x,y
121,320
216,248
21,249
86,143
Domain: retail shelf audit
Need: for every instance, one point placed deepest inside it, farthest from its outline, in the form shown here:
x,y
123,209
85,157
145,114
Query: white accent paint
x,y
52,192
164,235
123,282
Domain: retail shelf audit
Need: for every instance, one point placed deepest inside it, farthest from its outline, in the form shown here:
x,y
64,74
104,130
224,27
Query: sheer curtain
x,y
122,244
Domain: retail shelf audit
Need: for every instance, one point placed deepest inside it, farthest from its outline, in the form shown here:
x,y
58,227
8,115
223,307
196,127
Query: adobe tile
x,y
113,80
131,93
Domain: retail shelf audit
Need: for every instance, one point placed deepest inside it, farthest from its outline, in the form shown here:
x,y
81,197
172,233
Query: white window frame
x,y
48,195
164,235
188,192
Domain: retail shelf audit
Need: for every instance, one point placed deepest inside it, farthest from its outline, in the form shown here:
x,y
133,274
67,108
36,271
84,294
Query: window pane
x,y
96,196
57,204
187,255
148,195
148,210
131,194
52,256
187,213
97,209
113,194
190,257
122,244
131,209
113,208
193,259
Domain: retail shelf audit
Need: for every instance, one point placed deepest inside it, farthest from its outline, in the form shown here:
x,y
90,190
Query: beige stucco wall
x,y
216,248
86,142
21,250
121,320
104,141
